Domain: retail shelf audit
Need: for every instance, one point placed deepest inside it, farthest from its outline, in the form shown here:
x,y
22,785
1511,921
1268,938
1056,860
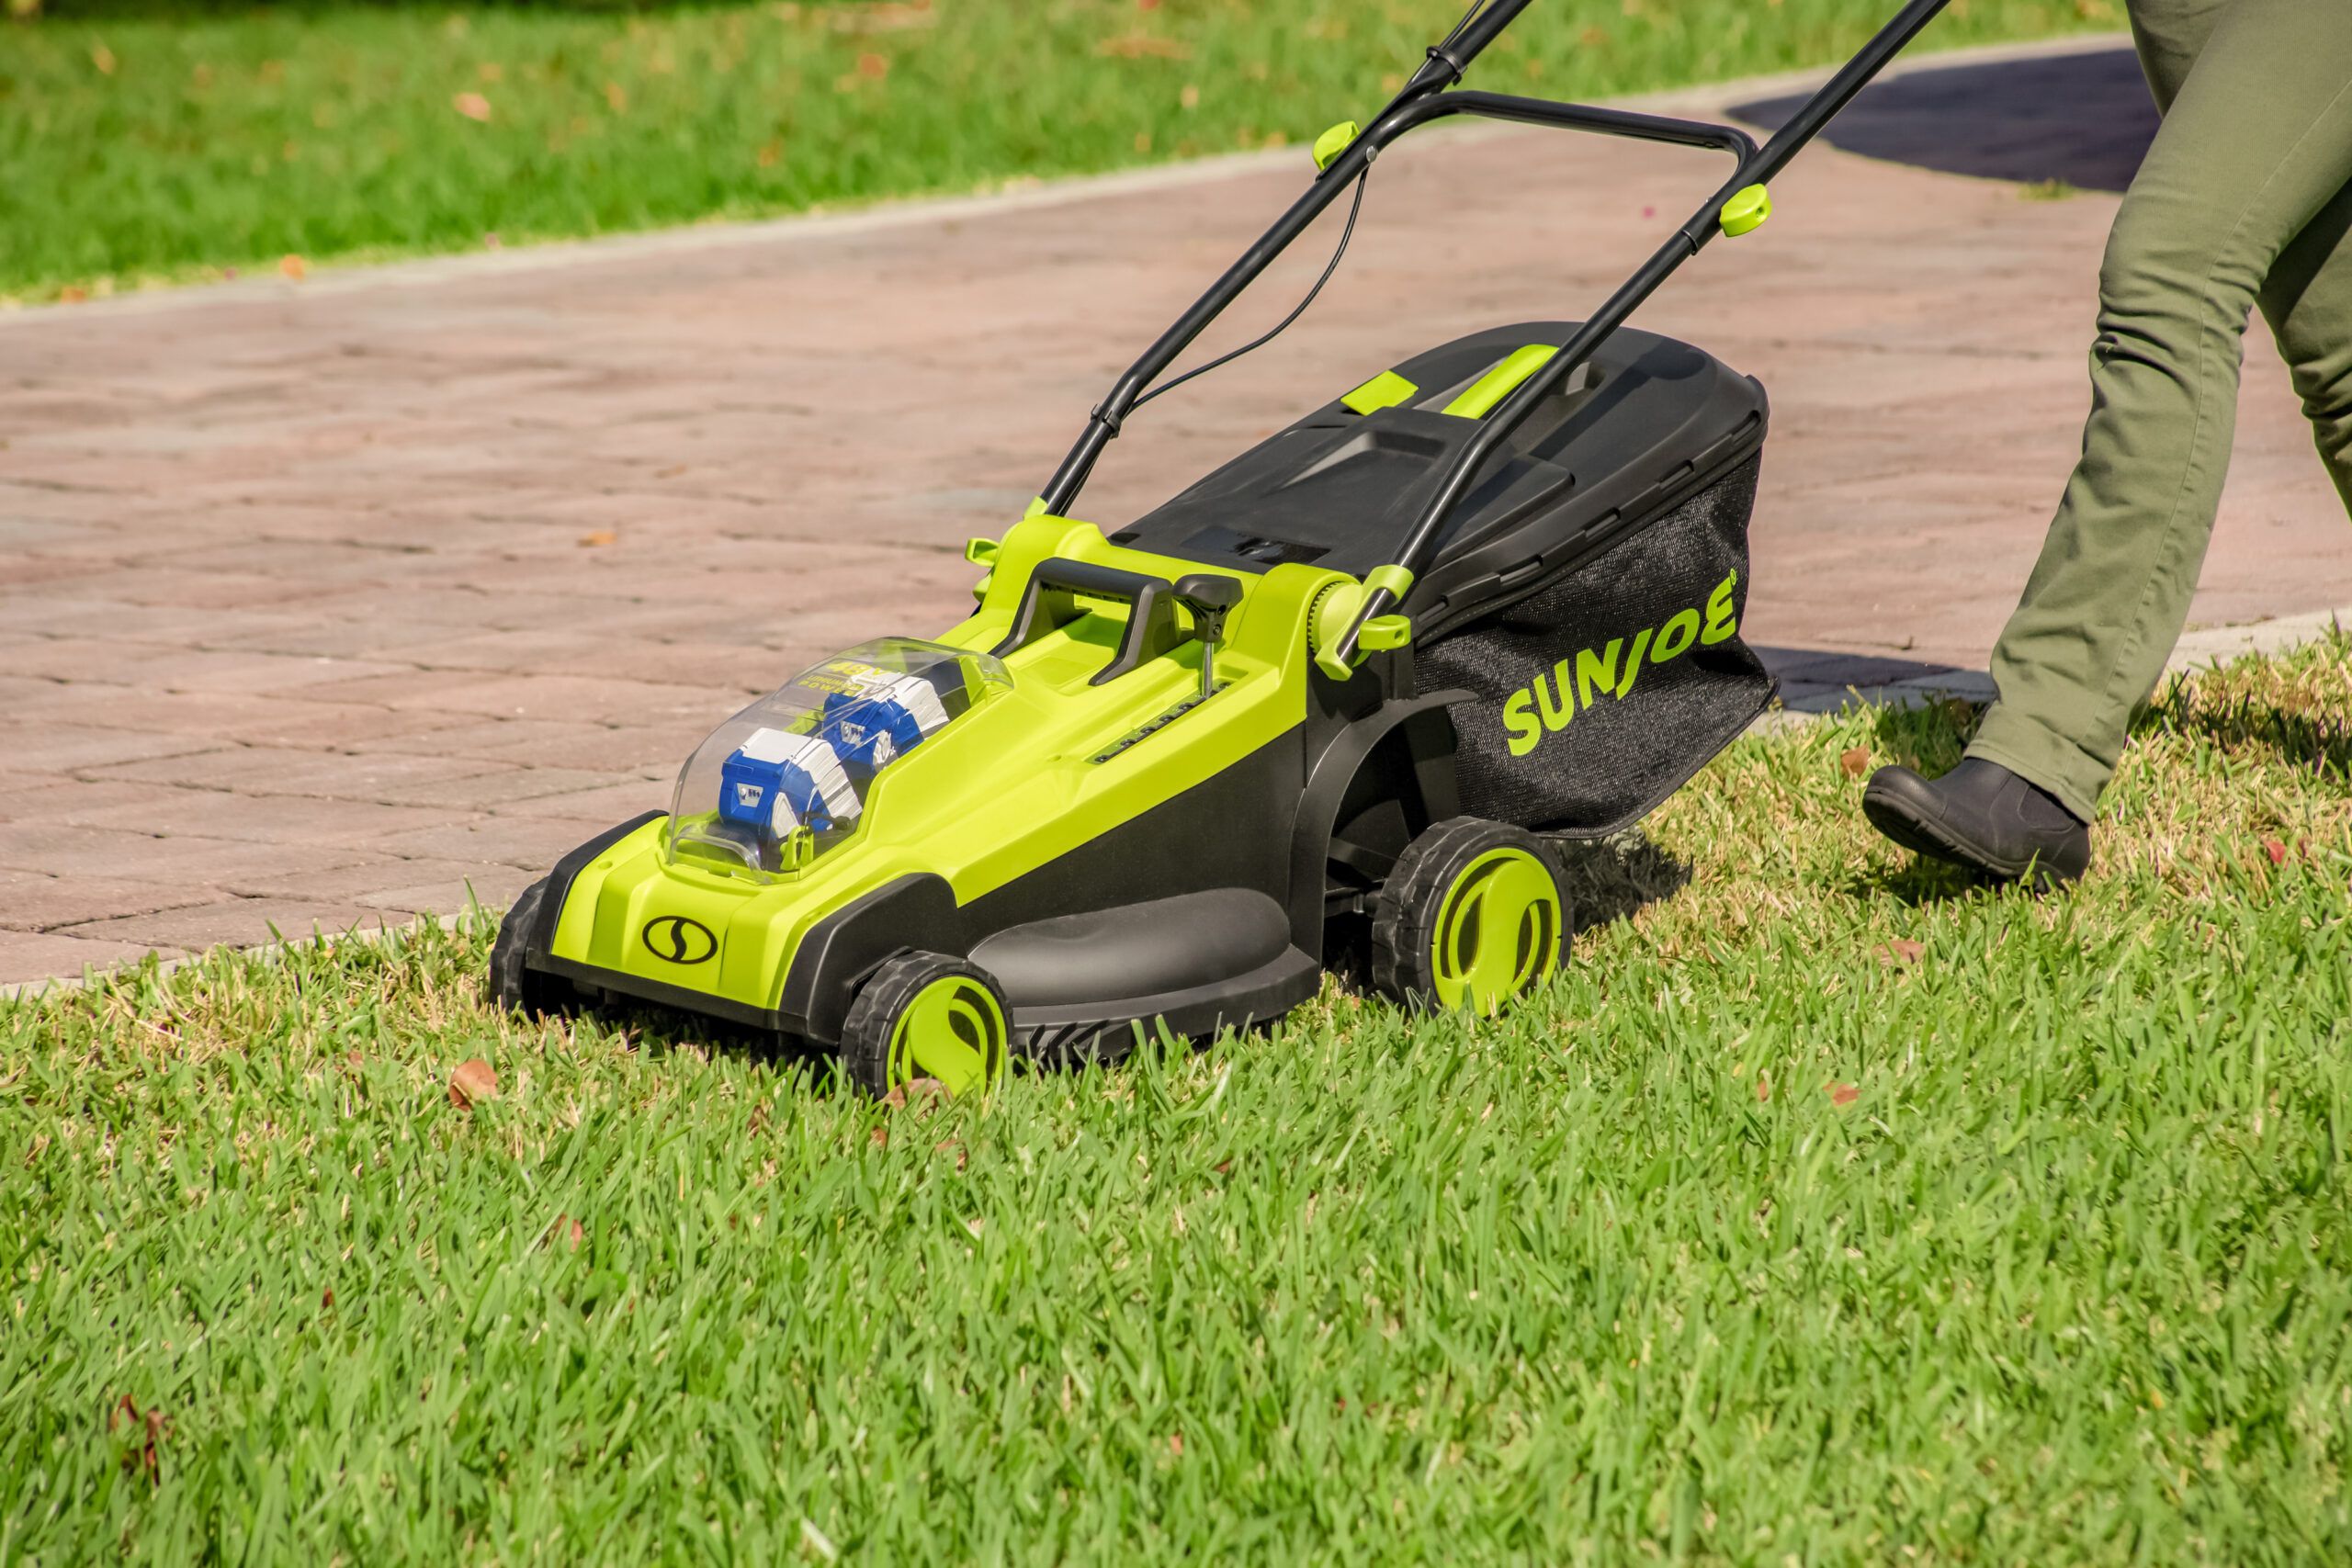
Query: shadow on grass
x,y
1615,878
660,1031
1919,882
2319,741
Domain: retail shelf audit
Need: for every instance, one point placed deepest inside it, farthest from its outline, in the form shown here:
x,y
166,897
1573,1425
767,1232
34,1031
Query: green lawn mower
x,y
1313,711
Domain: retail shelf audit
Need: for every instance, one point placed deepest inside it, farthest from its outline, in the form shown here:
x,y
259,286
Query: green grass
x,y
1763,1236
147,142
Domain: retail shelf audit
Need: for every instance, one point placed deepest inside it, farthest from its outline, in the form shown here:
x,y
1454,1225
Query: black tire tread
x,y
512,983
865,1032
1405,913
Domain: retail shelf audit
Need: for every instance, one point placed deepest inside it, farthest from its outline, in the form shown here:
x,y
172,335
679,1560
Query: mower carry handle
x,y
1101,581
1048,601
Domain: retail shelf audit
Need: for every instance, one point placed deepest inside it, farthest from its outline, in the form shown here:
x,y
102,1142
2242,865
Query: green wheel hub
x,y
952,1030
1498,931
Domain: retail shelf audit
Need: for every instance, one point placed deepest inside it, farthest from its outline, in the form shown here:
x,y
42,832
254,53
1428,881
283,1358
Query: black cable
x,y
1467,17
1354,207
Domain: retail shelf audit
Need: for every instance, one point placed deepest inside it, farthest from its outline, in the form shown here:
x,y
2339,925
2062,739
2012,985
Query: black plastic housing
x,y
1650,419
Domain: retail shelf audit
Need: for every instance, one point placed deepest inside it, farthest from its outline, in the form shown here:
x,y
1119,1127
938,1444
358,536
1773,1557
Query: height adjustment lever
x,y
1208,596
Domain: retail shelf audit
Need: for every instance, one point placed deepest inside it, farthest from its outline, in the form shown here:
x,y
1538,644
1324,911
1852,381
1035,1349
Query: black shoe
x,y
1983,816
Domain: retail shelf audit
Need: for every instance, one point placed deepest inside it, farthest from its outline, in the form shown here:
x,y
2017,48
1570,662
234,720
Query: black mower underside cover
x,y
1589,590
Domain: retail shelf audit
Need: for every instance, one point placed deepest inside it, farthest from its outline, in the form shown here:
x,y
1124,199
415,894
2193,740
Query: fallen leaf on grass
x,y
1842,1093
473,105
923,1090
1854,760
567,1231
873,67
103,58
145,1456
1900,951
2275,849
293,267
1176,1444
473,1082
598,539
880,1137
1763,1087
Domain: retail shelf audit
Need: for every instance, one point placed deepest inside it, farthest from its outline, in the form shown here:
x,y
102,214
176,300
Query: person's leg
x,y
2308,302
2257,146
2169,36
2308,298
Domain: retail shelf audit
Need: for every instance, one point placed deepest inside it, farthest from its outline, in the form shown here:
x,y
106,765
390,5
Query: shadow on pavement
x,y
2084,119
1824,681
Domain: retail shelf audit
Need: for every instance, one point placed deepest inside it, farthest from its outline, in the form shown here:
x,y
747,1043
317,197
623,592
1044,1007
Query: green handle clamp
x,y
1745,211
1334,142
1337,610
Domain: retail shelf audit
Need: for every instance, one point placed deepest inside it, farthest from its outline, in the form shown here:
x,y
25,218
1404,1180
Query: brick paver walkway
x,y
319,602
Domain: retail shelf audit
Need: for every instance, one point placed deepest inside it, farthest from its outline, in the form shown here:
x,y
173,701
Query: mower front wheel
x,y
1473,916
924,1015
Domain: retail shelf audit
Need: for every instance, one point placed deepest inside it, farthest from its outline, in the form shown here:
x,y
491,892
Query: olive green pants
x,y
2244,198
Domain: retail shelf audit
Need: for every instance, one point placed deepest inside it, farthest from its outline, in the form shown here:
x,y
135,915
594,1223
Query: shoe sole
x,y
1891,816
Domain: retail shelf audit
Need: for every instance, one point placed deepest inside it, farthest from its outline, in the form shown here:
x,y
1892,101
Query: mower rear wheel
x,y
1473,916
512,982
924,1015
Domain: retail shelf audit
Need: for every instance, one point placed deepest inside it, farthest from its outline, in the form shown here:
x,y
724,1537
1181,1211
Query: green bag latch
x,y
1334,142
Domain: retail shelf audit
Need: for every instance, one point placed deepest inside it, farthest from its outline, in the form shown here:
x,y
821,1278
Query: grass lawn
x,y
1830,1211
145,141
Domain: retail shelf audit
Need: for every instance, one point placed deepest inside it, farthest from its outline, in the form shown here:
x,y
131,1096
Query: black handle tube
x,y
1784,144
1586,117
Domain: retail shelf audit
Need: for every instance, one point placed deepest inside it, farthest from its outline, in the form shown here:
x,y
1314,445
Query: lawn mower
x,y
1317,710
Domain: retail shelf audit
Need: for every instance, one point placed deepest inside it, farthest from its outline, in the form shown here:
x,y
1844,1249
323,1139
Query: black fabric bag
x,y
1606,685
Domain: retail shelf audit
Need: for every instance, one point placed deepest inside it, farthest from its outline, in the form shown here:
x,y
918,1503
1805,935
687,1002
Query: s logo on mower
x,y
679,940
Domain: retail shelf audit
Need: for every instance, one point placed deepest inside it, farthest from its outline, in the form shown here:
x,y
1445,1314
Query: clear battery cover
x,y
787,779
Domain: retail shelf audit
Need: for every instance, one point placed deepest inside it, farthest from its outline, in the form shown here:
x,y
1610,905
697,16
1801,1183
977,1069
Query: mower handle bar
x,y
1429,94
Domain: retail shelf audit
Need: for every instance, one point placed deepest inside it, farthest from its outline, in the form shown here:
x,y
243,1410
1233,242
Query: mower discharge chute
x,y
1312,711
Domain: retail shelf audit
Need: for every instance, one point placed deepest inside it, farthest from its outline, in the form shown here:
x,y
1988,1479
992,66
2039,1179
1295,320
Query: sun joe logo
x,y
1551,701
